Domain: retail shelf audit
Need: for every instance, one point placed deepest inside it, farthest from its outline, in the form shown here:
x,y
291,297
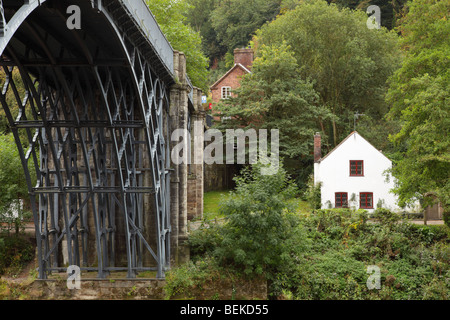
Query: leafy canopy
x,y
419,94
12,178
260,226
273,96
347,62
170,16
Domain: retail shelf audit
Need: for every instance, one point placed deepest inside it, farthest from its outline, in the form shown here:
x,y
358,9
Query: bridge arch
x,y
91,107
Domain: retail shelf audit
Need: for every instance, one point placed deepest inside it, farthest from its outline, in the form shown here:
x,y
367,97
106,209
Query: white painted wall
x,y
334,173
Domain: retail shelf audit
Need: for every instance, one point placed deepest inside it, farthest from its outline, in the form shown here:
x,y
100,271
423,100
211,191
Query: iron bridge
x,y
89,111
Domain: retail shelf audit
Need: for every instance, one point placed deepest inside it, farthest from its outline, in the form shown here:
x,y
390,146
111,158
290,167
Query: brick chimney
x,y
244,56
317,147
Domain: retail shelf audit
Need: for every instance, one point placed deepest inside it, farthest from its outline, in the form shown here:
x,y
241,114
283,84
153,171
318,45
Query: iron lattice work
x,y
96,137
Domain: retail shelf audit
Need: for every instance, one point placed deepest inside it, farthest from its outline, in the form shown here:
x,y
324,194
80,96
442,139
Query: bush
x,y
260,233
386,217
414,259
259,223
323,255
313,193
15,252
205,239
446,217
333,275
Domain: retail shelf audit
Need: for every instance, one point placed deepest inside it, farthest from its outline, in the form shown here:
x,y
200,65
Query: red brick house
x,y
220,176
223,88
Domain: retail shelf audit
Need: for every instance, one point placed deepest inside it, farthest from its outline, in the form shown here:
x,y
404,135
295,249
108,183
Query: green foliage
x,y
235,21
335,248
349,75
260,228
390,10
446,218
183,280
419,94
313,194
333,275
225,25
273,96
205,239
170,15
198,16
414,260
13,101
12,179
15,252
258,222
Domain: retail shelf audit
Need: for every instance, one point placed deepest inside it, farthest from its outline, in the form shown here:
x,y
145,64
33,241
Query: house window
x,y
356,168
226,92
366,200
341,199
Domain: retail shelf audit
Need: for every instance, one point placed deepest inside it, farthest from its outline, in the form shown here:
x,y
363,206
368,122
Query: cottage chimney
x,y
317,147
244,56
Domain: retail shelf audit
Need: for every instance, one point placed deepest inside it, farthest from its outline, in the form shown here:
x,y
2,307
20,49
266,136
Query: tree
x,y
170,16
347,62
273,96
419,94
390,10
198,16
235,21
260,229
12,101
12,181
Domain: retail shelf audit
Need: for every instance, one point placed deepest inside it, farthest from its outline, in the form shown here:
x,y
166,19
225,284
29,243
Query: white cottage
x,y
353,175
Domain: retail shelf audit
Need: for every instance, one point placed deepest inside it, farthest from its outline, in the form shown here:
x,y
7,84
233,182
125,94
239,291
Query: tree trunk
x,y
334,133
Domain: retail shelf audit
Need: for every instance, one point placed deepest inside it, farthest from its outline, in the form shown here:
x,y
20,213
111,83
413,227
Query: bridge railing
x,y
147,22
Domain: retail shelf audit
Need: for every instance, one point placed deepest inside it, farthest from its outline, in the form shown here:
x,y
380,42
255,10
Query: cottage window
x,y
226,92
366,200
356,168
341,199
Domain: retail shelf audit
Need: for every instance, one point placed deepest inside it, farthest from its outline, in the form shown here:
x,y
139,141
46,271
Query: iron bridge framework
x,y
89,111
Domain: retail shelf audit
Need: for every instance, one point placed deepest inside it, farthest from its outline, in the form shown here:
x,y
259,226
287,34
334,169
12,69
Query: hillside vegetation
x,y
325,254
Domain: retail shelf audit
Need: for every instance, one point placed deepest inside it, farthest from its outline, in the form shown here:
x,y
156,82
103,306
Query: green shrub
x,y
258,222
15,252
446,216
323,254
182,281
205,239
313,193
386,217
333,275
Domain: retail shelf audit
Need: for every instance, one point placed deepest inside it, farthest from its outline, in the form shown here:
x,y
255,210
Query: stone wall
x,y
132,289
187,177
96,289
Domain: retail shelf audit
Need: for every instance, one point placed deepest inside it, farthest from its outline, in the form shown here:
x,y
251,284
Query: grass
x,y
211,204
211,201
301,206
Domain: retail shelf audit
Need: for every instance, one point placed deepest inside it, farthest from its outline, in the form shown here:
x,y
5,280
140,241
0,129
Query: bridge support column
x,y
195,174
179,114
